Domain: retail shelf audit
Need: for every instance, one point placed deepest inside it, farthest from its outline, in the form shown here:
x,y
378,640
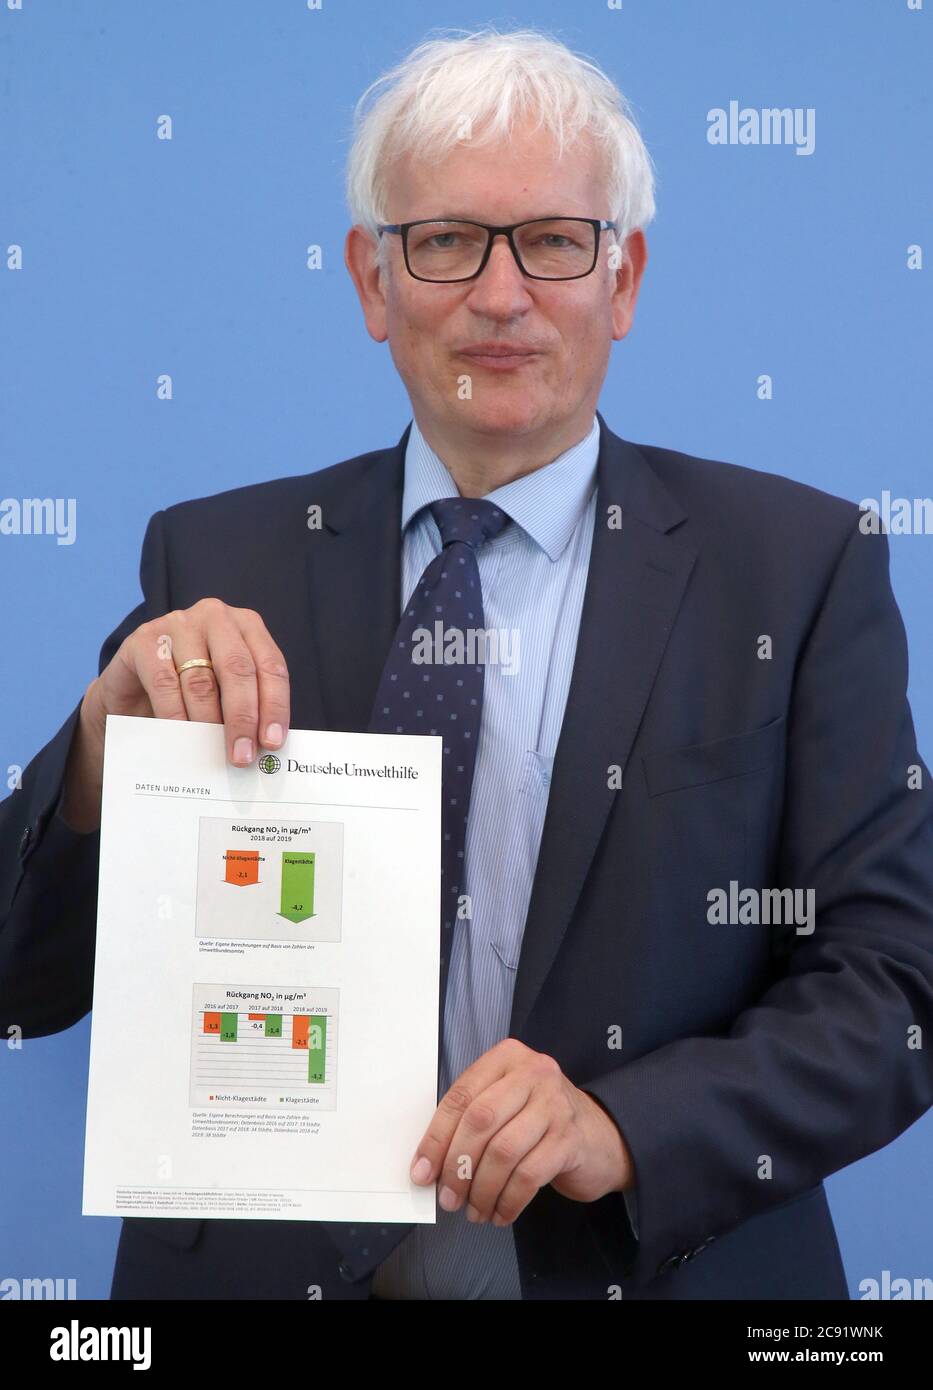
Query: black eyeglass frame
x,y
402,229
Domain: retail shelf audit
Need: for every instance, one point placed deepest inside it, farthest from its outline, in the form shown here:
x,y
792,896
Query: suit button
x,y
345,1271
24,840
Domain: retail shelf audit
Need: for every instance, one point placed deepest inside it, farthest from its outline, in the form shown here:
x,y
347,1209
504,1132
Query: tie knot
x,y
472,520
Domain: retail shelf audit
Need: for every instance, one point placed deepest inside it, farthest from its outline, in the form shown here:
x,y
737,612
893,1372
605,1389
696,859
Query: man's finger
x,y
272,674
480,1124
538,1168
505,1151
484,1072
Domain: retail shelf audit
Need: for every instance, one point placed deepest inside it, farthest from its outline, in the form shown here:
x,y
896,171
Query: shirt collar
x,y
546,503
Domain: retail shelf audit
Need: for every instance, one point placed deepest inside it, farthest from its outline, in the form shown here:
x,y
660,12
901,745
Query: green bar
x,y
273,1025
297,885
228,1023
317,1048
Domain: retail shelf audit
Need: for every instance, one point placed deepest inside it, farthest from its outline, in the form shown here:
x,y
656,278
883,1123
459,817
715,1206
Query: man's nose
x,y
501,286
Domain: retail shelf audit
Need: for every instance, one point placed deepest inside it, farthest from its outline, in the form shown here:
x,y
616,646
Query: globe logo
x,y
269,763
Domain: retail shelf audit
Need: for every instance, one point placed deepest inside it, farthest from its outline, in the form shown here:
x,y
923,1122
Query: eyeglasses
x,y
547,248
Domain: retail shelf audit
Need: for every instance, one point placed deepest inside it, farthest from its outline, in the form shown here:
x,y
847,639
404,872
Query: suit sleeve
x,y
828,1064
48,872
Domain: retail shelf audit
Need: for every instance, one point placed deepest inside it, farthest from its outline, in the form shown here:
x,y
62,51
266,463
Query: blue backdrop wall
x,y
142,256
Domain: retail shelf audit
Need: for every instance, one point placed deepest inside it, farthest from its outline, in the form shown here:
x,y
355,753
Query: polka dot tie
x,y
433,684
433,679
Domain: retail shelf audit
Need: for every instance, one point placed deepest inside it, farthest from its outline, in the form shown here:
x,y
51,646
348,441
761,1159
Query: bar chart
x,y
269,879
265,1048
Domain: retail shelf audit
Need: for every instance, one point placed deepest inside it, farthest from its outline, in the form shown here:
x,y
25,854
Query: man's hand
x,y
510,1124
247,691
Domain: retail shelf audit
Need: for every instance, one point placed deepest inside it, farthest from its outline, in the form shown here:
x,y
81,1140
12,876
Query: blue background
x,y
145,256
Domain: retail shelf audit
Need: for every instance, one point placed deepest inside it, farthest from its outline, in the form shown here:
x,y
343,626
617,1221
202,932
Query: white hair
x,y
476,87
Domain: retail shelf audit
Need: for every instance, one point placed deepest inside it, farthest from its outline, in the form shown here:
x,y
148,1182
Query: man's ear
x,y
359,253
628,282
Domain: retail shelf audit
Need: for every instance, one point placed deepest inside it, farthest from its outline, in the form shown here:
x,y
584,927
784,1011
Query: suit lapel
x,y
637,578
353,583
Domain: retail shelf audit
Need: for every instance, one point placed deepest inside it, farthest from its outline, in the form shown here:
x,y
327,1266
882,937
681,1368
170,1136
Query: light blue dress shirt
x,y
533,577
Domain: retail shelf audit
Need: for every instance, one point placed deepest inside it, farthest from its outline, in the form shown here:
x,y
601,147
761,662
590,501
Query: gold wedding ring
x,y
195,661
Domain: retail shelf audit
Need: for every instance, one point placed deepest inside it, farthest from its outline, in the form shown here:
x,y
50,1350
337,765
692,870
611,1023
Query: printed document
x,y
264,1033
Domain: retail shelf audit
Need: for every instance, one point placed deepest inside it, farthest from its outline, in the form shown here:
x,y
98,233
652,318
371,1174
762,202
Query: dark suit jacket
x,y
743,1048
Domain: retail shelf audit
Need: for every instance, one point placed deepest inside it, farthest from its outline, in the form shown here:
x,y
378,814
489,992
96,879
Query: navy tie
x,y
433,684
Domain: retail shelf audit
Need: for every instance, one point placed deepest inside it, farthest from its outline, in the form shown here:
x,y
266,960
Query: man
x,y
640,1095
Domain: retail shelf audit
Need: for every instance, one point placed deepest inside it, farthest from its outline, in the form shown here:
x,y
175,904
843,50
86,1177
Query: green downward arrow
x,y
297,885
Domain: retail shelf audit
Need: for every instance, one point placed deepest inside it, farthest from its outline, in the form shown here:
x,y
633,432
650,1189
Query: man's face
x,y
567,326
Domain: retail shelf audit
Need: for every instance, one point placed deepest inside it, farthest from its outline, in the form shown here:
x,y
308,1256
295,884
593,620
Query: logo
x,y
269,763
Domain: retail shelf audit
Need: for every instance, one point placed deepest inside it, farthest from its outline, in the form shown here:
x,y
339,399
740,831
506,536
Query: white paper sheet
x,y
264,1028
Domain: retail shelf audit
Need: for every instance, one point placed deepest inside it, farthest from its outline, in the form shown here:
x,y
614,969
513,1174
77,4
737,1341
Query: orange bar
x,y
211,1022
300,1025
242,866
255,1016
